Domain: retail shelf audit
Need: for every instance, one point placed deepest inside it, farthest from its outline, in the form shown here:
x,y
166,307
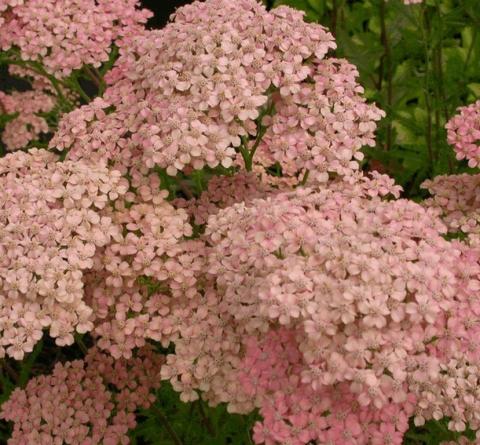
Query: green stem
x,y
28,363
246,158
80,343
92,76
470,49
10,371
441,105
425,30
75,86
441,82
197,177
163,419
95,76
111,60
305,177
245,152
386,65
205,419
333,28
261,130
56,83
251,153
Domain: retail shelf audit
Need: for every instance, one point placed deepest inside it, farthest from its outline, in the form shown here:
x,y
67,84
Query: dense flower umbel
x,y
451,388
457,199
319,125
151,250
201,90
222,192
344,244
28,124
84,402
293,413
50,227
464,133
361,286
66,34
93,255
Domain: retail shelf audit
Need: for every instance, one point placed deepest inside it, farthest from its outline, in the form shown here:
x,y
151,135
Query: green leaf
x,y
27,364
194,423
318,6
474,88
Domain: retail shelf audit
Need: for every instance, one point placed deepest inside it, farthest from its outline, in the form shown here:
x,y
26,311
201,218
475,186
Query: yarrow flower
x,y
222,192
82,402
223,80
457,200
463,132
64,35
294,414
354,298
28,122
140,281
51,224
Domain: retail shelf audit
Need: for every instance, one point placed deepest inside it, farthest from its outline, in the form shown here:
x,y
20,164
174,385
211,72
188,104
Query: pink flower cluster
x,y
294,414
320,125
450,388
463,132
50,227
204,89
92,257
281,237
222,192
457,199
460,441
84,402
338,315
28,124
66,34
140,281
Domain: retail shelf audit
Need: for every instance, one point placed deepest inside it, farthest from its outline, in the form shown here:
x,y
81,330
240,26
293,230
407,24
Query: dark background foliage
x,y
162,10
